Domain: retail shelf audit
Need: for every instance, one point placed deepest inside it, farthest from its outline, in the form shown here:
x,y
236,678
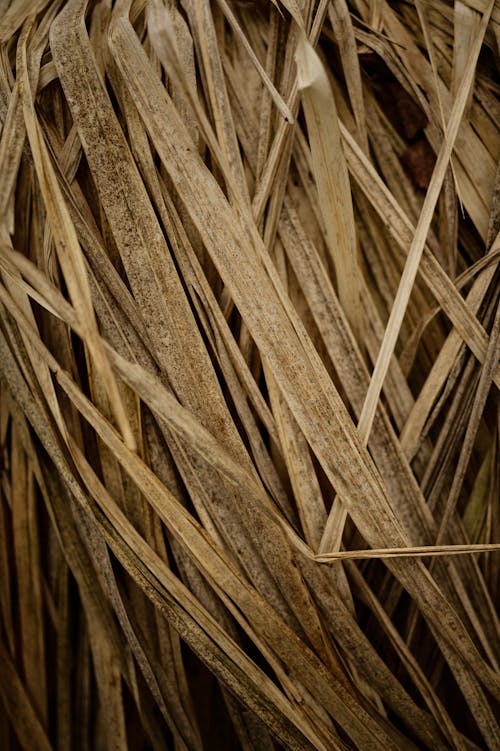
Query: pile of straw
x,y
249,342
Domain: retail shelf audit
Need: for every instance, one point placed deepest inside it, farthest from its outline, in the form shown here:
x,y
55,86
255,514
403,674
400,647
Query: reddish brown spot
x,y
419,160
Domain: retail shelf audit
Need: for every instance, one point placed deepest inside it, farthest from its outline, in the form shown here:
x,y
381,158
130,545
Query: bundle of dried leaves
x,y
249,342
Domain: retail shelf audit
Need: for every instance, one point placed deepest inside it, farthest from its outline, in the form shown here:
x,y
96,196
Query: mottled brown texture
x,y
249,351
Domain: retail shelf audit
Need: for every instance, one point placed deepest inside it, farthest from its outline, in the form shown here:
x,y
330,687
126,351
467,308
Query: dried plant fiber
x,y
249,373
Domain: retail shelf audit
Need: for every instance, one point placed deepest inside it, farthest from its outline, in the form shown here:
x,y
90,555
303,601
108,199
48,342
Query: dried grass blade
x,y
422,551
340,19
331,175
